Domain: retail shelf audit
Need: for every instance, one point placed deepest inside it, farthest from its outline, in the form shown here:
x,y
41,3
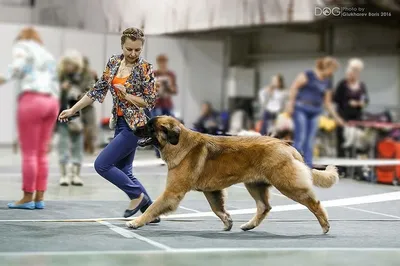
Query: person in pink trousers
x,y
38,106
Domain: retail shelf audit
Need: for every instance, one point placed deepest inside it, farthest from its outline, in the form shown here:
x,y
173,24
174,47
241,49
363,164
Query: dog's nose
x,y
140,130
136,130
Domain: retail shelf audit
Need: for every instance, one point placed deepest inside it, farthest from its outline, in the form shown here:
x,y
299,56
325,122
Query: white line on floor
x,y
319,161
372,212
383,197
138,163
188,209
89,174
130,234
195,250
355,162
167,218
273,193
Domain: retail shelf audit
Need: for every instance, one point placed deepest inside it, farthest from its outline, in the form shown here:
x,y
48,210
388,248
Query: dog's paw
x,y
325,229
228,224
132,224
247,226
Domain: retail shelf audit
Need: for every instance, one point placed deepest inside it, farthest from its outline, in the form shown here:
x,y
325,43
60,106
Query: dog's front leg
x,y
167,202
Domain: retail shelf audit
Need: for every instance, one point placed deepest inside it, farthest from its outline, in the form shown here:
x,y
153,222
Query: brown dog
x,y
212,163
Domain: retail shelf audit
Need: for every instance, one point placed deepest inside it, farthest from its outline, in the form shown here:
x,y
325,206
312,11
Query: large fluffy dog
x,y
210,164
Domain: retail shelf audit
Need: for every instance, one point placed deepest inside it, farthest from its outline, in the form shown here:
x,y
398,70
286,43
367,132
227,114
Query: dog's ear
x,y
173,134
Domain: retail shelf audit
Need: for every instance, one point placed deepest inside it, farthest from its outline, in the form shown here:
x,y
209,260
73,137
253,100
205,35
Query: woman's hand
x,y
354,103
63,117
65,85
289,109
135,100
121,88
340,122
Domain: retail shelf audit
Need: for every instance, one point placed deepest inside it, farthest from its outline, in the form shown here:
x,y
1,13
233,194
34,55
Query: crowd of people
x,y
294,112
310,95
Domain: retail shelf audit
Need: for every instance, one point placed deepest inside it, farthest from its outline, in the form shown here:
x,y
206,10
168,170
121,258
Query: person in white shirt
x,y
272,99
34,70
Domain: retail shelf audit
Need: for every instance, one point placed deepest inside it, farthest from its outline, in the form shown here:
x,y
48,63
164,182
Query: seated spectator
x,y
208,121
240,119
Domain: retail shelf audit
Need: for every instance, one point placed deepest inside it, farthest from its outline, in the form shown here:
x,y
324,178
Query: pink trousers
x,y
37,116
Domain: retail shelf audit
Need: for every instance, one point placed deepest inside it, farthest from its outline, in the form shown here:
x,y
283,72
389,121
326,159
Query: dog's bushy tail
x,y
325,178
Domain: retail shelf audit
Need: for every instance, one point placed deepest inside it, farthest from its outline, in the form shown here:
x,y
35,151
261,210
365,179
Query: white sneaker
x,y
64,181
77,181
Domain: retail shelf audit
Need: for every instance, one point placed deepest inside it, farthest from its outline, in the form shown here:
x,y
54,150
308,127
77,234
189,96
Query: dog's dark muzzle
x,y
142,132
146,136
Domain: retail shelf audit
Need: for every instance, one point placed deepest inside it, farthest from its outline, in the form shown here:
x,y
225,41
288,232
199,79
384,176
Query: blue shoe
x,y
39,204
28,205
144,202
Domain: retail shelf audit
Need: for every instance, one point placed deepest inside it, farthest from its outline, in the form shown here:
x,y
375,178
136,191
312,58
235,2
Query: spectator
x,y
208,121
70,146
167,81
38,91
351,97
89,77
310,91
166,87
272,99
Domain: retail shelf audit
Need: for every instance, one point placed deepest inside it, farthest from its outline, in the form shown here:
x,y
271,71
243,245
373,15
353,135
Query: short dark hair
x,y
133,34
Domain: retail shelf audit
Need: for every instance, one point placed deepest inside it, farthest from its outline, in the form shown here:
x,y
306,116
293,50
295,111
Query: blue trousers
x,y
306,128
114,163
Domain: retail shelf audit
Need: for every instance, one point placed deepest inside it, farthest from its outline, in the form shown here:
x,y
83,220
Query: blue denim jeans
x,y
114,163
305,131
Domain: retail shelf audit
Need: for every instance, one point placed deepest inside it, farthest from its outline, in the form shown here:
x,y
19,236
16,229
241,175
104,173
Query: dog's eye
x,y
164,130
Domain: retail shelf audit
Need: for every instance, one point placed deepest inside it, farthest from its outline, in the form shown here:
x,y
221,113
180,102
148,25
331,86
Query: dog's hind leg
x,y
260,193
306,197
217,203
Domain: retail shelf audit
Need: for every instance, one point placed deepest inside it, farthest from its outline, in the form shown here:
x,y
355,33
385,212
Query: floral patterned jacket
x,y
141,83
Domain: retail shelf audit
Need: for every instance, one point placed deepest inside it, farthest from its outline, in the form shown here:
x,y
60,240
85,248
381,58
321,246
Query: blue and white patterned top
x,y
34,69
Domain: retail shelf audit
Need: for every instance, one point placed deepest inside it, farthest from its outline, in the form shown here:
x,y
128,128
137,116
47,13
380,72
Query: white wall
x,y
197,64
15,14
205,73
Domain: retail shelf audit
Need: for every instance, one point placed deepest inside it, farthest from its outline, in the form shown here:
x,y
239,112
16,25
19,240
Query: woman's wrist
x,y
135,100
75,109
